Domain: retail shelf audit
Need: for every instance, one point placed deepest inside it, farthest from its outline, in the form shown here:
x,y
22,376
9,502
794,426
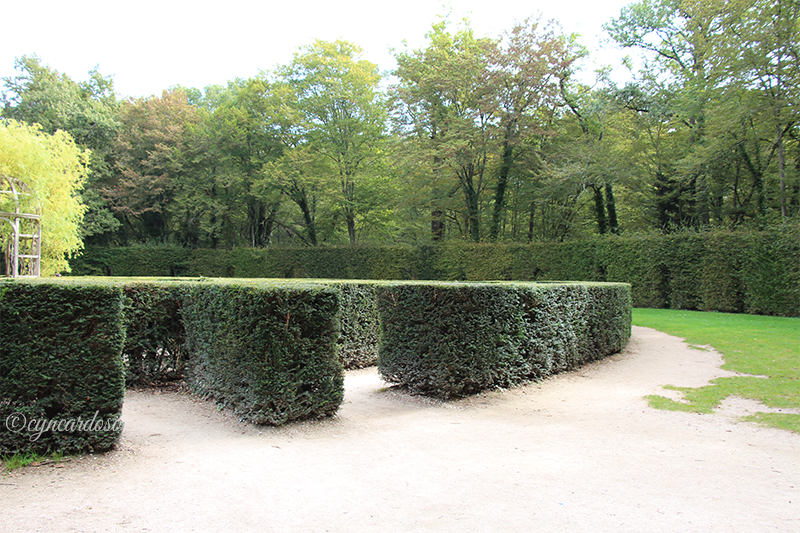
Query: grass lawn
x,y
766,347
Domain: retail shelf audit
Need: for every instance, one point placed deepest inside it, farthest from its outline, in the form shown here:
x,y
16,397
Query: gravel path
x,y
578,452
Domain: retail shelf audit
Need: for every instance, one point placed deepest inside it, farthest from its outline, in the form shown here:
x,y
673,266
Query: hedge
x,y
274,351
155,348
360,324
61,366
751,272
155,345
451,340
268,351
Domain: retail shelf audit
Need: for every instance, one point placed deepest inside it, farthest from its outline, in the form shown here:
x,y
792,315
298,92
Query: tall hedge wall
x,y
751,272
61,373
267,350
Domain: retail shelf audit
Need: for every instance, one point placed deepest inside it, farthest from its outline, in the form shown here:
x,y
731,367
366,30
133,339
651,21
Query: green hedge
x,y
266,350
274,351
155,348
360,324
133,261
450,340
155,345
60,366
751,272
269,351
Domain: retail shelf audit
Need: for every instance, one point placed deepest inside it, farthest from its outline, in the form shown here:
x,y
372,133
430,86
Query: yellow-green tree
x,y
54,168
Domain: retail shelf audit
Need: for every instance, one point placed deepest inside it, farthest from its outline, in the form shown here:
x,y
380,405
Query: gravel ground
x,y
578,452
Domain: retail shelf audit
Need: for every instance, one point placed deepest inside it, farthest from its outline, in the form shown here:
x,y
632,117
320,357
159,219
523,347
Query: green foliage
x,y
140,260
640,261
360,324
41,95
153,149
751,272
268,351
60,360
54,168
274,351
767,349
86,110
717,97
362,262
475,138
450,340
155,343
339,123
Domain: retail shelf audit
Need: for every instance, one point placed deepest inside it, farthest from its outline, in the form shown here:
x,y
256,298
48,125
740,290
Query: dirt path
x,y
579,452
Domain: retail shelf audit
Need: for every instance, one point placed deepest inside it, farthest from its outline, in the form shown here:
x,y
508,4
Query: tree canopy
x,y
480,138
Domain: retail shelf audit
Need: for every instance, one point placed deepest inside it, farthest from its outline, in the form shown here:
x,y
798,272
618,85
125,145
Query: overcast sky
x,y
148,46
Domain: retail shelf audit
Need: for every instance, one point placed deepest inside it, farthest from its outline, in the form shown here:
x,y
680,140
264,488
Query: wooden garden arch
x,y
23,245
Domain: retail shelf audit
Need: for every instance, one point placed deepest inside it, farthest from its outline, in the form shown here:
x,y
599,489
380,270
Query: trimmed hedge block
x,y
155,346
360,324
266,350
61,366
450,340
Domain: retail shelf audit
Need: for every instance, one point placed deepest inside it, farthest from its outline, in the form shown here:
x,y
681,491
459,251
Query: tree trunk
x,y
472,203
758,184
473,217
256,218
611,207
348,191
667,200
351,227
308,217
437,225
782,172
531,226
500,191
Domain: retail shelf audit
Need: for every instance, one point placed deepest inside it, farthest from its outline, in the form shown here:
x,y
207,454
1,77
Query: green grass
x,y
20,460
768,348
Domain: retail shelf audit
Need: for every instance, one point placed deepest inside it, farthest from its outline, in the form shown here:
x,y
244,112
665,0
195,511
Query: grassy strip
x,y
767,348
23,459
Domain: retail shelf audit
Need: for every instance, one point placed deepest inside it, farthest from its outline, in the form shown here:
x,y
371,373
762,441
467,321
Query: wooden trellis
x,y
23,245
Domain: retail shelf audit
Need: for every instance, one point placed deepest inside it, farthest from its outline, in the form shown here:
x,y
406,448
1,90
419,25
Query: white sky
x,y
148,46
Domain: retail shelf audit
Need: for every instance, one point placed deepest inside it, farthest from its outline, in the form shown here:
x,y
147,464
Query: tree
x,y
526,69
756,74
297,176
444,109
246,124
732,67
86,110
151,151
54,168
341,116
54,101
477,107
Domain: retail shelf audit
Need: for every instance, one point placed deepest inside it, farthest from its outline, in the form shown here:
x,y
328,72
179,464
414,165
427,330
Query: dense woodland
x,y
472,137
